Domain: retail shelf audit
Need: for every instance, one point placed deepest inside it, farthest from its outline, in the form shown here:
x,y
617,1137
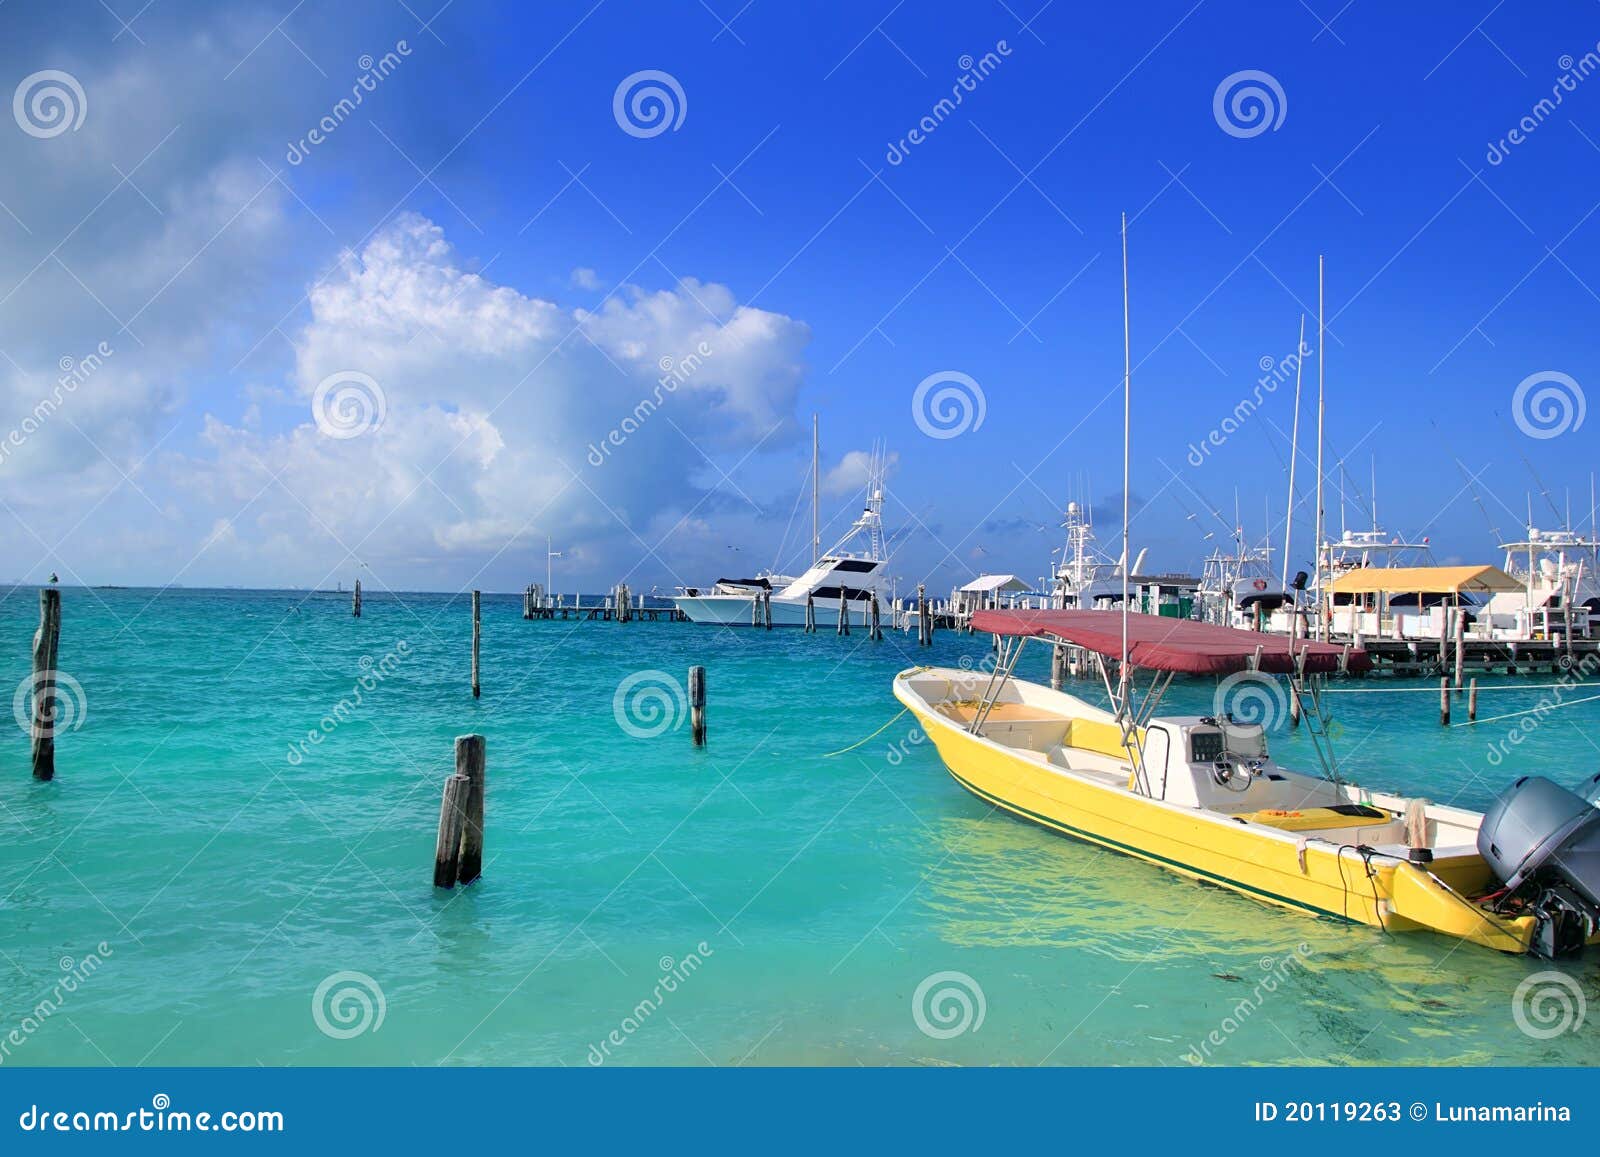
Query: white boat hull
x,y
744,611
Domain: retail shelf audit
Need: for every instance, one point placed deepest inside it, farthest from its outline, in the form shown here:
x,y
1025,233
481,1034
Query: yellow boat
x,y
1202,795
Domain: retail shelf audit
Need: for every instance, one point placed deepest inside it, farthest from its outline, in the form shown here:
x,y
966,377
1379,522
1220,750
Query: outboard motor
x,y
1543,842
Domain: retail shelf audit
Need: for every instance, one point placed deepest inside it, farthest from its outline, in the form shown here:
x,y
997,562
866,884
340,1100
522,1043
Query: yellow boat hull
x,y
1314,876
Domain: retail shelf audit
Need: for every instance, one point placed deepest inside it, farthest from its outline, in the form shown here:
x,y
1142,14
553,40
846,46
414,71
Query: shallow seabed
x,y
796,904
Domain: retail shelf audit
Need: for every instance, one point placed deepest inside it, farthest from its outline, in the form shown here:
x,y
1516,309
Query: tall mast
x,y
816,536
1294,451
1322,357
1127,418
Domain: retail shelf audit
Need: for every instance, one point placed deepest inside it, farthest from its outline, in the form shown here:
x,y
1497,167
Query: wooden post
x,y
874,626
472,764
844,611
46,706
1444,636
527,602
477,635
766,609
452,818
1058,666
697,705
1444,701
811,615
355,600
1472,700
1461,645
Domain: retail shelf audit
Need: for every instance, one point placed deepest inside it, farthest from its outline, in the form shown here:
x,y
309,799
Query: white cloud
x,y
851,471
585,278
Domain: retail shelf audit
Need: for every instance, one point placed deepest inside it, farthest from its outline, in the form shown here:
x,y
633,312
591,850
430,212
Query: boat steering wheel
x,y
1233,773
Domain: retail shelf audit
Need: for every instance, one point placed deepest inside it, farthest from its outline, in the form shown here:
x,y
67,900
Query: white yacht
x,y
1084,577
848,573
1557,571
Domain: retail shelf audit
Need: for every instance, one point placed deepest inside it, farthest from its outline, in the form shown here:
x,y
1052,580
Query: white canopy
x,y
990,583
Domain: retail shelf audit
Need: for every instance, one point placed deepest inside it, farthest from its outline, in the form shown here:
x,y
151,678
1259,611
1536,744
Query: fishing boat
x,y
845,575
1202,795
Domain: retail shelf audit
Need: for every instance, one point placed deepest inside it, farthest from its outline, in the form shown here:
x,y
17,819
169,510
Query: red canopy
x,y
1164,644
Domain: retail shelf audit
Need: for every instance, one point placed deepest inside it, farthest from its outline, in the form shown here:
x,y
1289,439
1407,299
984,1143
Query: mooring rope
x,y
1537,708
1435,690
869,738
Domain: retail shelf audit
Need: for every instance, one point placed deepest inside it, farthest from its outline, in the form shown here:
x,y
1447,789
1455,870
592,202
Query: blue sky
x,y
493,255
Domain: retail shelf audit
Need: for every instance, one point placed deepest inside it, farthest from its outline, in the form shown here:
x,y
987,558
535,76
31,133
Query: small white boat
x,y
846,574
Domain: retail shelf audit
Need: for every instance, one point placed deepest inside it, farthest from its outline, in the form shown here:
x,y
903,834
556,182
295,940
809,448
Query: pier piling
x,y
811,615
471,762
355,600
766,609
844,610
1472,700
477,638
452,818
46,642
1461,645
1444,701
874,624
1058,667
697,705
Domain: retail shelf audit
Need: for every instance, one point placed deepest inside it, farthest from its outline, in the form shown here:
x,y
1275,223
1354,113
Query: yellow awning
x,y
1427,580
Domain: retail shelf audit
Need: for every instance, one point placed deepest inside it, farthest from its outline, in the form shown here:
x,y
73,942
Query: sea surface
x,y
204,884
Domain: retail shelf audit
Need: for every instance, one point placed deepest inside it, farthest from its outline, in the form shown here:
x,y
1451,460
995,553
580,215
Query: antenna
x,y
1322,357
816,536
1294,450
1127,418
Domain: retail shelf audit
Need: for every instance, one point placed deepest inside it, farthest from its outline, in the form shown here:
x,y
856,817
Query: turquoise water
x,y
228,875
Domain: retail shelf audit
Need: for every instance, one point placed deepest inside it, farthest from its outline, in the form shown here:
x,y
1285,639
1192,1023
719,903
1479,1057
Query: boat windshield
x,y
1248,740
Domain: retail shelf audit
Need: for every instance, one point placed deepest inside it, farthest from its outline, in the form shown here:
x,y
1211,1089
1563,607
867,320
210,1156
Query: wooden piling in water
x,y
477,636
844,610
697,705
452,818
811,615
874,623
766,609
1444,701
471,762
1472,700
1461,645
922,615
527,601
1058,666
355,600
46,708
